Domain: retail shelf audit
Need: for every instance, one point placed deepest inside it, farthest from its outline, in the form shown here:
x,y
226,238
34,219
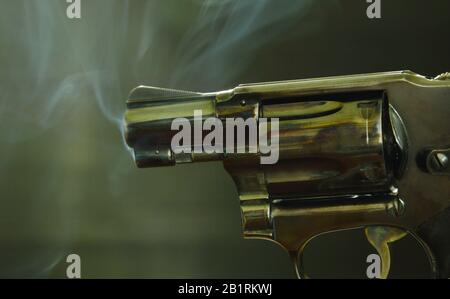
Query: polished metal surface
x,y
350,156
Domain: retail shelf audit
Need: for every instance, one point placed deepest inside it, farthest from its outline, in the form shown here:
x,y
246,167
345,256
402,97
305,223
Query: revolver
x,y
358,151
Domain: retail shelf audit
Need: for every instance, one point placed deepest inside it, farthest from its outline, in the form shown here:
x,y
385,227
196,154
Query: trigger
x,y
380,237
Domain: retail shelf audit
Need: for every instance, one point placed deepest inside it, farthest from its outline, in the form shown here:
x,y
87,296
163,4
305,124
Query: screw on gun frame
x,y
441,160
435,161
397,206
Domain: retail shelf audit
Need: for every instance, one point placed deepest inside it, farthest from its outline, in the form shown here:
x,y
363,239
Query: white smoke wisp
x,y
51,63
228,35
53,67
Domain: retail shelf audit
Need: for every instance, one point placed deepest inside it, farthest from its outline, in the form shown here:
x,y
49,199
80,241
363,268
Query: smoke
x,y
227,37
54,69
50,63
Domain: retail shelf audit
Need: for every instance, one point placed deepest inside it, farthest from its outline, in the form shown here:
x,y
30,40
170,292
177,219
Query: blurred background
x,y
68,183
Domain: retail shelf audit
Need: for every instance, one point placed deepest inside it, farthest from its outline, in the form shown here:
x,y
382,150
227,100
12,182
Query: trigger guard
x,y
296,258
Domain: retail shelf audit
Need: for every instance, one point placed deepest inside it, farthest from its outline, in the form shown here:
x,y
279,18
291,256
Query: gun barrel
x,y
151,114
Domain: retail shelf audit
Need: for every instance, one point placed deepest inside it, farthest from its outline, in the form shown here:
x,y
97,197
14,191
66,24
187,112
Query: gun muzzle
x,y
151,113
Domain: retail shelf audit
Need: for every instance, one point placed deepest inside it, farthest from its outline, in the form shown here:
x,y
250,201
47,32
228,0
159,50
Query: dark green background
x,y
67,182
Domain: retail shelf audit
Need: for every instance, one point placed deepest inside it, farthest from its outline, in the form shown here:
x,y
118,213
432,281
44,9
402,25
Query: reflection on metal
x,y
350,156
